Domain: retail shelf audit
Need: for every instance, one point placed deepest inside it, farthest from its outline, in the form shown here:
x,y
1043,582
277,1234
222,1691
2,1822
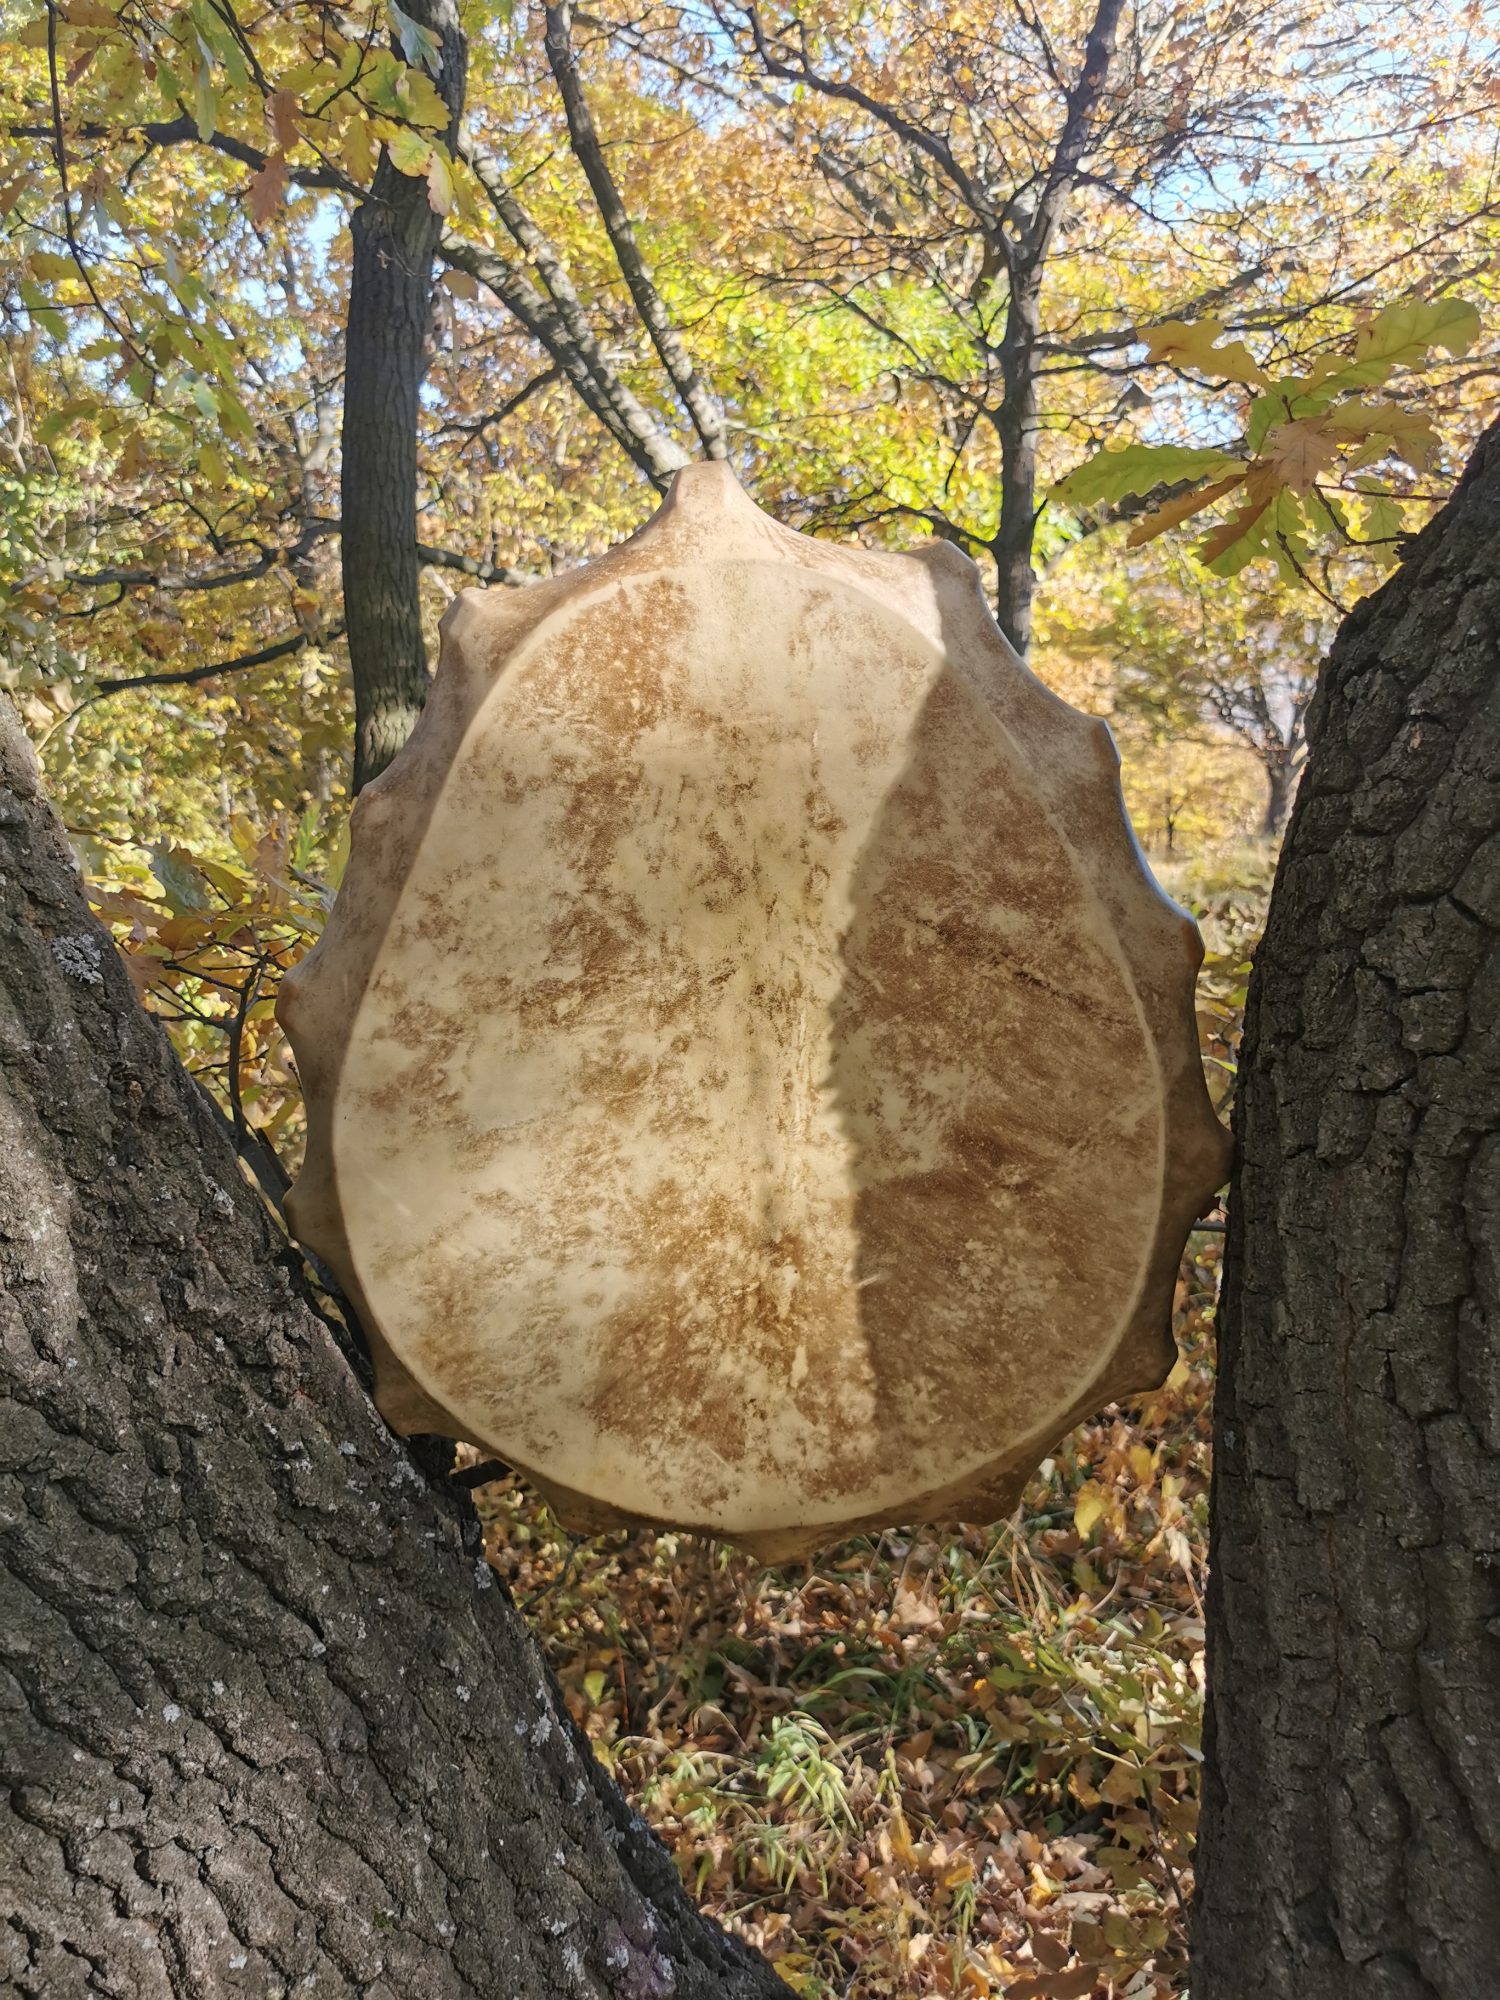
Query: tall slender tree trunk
x,y
395,234
1016,423
1350,1843
271,1725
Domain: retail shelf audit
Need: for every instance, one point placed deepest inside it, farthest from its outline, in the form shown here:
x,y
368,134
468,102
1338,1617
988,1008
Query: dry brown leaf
x,y
1299,451
266,189
1075,1985
1240,522
282,113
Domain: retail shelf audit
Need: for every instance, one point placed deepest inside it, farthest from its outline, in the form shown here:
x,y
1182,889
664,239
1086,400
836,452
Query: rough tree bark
x,y
1351,1824
395,232
271,1725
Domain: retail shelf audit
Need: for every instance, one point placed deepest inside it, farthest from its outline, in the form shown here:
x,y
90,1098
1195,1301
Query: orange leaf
x,y
1183,508
1240,522
1299,451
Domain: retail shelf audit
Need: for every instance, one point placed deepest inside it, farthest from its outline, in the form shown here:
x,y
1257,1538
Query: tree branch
x,y
696,397
268,559
937,150
1134,336
508,408
483,572
190,676
183,131
1082,102
560,325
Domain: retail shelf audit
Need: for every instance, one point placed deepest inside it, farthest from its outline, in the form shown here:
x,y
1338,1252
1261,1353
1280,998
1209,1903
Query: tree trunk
x,y
1016,423
272,1726
1351,1819
395,233
1280,766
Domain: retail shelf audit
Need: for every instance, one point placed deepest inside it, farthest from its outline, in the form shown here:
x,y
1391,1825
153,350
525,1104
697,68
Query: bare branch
x,y
1082,103
696,397
935,148
508,408
482,572
281,649
561,326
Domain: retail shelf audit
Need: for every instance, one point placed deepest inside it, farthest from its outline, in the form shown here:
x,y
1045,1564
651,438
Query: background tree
x,y
1005,189
1189,664
1351,1839
394,235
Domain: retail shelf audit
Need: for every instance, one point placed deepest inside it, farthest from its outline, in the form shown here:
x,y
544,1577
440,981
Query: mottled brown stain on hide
x,y
720,1135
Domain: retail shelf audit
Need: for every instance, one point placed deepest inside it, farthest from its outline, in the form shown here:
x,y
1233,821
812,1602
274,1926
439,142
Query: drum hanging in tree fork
x,y
752,1076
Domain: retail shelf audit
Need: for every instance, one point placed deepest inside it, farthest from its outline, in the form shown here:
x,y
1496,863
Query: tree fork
x,y
1350,1843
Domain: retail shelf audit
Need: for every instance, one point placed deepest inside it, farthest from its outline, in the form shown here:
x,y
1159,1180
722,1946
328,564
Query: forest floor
x,y
933,1764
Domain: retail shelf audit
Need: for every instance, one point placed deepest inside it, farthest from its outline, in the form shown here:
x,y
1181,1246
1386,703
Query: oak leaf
x,y
1299,451
266,190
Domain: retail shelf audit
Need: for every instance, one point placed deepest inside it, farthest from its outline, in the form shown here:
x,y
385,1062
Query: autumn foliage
x,y
1179,319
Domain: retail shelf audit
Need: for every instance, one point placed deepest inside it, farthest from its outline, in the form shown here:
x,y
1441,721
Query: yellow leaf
x,y
409,151
1089,1508
49,265
439,181
1190,344
359,149
1121,1784
1387,426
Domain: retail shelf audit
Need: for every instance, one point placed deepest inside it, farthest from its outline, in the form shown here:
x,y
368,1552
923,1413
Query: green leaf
x,y
418,44
1111,475
182,884
409,152
235,418
36,303
1383,520
205,101
60,421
